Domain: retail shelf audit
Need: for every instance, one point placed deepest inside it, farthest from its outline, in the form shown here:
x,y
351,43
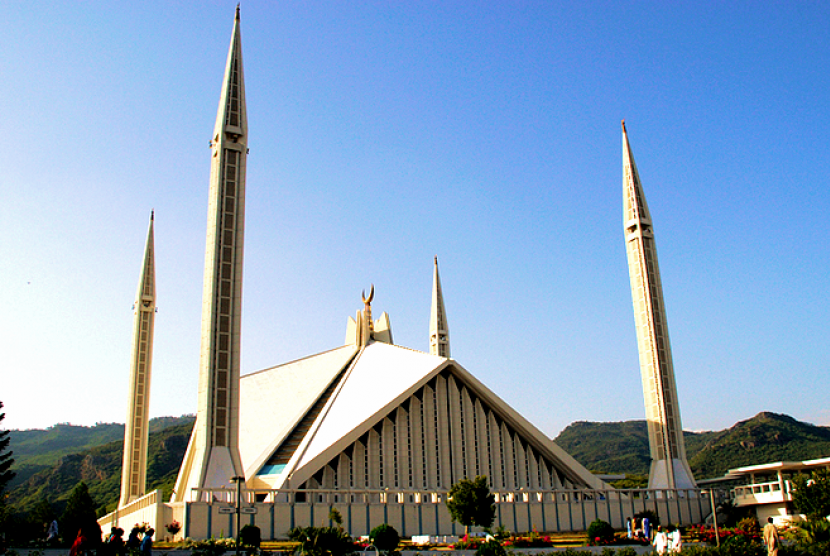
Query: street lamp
x,y
714,514
238,506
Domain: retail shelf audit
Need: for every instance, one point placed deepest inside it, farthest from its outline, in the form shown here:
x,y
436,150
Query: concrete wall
x,y
148,509
410,513
426,514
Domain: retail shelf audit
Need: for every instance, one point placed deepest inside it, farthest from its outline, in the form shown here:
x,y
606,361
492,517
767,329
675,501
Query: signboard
x,y
248,510
224,510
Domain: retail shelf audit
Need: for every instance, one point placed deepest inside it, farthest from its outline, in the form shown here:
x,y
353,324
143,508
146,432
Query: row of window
x,y
386,457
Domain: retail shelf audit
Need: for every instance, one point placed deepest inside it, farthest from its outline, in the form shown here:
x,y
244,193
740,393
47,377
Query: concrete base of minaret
x,y
220,468
659,476
205,467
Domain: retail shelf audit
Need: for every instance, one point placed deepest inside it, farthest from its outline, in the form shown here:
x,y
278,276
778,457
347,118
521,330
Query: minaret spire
x,y
134,466
439,332
212,457
669,467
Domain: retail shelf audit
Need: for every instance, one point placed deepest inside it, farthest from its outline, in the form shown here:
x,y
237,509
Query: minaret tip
x,y
152,214
623,124
436,259
237,11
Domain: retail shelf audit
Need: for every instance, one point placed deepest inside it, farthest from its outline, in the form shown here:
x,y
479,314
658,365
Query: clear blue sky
x,y
383,133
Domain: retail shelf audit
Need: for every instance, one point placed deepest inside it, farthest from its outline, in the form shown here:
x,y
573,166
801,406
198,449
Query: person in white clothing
x,y
660,541
675,540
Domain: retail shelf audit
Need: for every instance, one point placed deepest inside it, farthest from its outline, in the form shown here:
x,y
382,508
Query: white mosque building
x,y
379,432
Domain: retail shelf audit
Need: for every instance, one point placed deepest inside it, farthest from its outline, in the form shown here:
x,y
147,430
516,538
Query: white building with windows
x,y
769,488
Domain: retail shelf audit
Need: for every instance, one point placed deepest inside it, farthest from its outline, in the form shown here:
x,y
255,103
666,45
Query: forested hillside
x,y
39,449
51,468
623,447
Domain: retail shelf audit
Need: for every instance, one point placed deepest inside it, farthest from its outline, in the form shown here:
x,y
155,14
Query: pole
x,y
714,516
238,507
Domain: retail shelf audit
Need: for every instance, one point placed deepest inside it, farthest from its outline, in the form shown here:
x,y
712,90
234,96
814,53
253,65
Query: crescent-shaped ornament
x,y
371,295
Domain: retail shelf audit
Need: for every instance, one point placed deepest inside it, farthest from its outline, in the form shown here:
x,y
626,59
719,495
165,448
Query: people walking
x,y
146,547
771,538
660,541
675,539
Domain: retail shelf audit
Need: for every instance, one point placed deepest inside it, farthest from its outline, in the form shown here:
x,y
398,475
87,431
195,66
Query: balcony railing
x,y
762,493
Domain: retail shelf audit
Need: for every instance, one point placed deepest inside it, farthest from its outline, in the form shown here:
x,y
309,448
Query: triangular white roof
x,y
381,378
374,381
272,401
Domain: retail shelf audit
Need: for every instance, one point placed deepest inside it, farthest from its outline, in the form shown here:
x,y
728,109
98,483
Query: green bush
x,y
385,537
600,532
249,536
321,541
209,547
742,545
749,524
491,548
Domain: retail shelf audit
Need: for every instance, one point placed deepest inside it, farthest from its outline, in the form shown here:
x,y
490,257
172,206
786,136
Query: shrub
x,y
742,545
321,541
385,537
491,548
209,547
249,536
600,532
466,543
749,524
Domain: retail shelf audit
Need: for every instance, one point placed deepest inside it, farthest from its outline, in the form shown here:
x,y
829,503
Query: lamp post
x,y
714,515
238,506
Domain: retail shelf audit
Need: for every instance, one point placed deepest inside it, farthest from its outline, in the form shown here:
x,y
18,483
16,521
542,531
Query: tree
x,y
470,503
811,495
6,473
79,514
6,459
385,537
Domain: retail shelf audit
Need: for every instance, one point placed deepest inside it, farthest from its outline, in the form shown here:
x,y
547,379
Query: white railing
x,y
762,493
146,509
213,512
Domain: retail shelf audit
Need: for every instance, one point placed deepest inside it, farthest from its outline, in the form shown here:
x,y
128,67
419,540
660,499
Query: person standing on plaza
x,y
771,538
52,533
675,539
661,541
146,547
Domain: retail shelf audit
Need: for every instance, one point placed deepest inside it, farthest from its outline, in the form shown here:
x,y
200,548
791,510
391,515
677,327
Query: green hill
x,y
49,467
765,438
620,447
623,447
36,450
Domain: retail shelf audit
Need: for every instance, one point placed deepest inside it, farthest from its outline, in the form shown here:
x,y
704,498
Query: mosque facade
x,y
378,431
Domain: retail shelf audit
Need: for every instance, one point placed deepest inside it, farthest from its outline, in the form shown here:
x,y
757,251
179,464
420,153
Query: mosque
x,y
376,430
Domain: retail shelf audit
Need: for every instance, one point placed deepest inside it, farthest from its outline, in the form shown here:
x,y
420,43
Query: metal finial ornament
x,y
368,301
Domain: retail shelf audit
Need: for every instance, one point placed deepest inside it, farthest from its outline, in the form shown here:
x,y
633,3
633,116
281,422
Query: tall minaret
x,y
136,430
439,332
669,468
212,457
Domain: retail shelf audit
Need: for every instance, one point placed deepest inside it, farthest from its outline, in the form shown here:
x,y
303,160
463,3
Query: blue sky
x,y
384,133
